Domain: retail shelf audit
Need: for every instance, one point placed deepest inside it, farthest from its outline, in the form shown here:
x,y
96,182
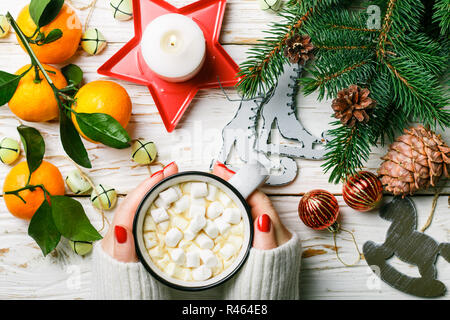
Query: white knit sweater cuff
x,y
115,280
269,274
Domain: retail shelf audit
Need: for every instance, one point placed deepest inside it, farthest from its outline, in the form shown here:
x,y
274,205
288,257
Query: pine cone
x,y
298,49
352,104
414,161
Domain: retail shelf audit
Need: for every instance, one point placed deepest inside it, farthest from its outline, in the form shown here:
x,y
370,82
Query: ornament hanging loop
x,y
335,228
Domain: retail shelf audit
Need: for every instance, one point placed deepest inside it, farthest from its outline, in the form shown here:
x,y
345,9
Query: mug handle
x,y
248,178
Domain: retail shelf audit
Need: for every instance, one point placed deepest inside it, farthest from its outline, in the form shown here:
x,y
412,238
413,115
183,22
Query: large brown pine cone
x,y
352,104
298,49
414,161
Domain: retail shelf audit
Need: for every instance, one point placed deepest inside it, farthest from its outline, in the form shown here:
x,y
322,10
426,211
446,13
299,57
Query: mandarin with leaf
x,y
46,175
106,97
62,49
34,99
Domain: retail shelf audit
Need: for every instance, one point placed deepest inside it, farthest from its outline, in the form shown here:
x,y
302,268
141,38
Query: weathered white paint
x,y
24,273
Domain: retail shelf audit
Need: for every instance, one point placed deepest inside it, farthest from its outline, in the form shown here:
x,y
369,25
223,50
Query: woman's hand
x,y
269,230
119,242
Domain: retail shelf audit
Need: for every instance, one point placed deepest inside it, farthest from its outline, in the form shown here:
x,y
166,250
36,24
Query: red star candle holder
x,y
173,98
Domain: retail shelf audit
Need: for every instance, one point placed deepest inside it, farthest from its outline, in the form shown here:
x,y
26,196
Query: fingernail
x,y
170,164
156,173
264,223
220,164
121,234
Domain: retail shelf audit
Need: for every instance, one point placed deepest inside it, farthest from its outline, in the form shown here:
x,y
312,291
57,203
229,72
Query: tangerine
x,y
103,97
60,50
35,101
47,175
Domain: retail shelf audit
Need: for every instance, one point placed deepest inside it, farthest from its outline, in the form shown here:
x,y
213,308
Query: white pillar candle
x,y
174,47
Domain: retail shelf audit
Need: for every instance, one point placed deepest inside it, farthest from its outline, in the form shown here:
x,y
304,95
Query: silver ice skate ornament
x,y
254,144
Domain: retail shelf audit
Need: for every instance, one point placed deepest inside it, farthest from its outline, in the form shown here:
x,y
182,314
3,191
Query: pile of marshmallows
x,y
193,231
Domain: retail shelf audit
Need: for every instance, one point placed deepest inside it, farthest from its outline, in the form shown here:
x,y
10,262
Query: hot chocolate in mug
x,y
194,230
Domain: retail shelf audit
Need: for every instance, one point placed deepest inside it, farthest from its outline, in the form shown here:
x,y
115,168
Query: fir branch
x,y
264,65
348,151
442,15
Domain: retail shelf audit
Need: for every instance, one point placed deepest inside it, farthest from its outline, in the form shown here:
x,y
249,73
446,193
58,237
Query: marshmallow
x,y
208,258
183,244
232,215
238,229
197,224
173,270
222,225
211,229
159,215
218,268
160,203
212,192
201,273
197,211
173,236
235,241
215,209
178,256
216,248
189,234
156,252
186,187
170,195
199,189
198,202
181,205
227,251
224,199
149,225
186,274
164,262
204,241
150,243
192,259
180,223
163,226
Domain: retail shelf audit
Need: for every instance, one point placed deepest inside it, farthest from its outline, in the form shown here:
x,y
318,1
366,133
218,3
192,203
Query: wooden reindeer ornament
x,y
410,246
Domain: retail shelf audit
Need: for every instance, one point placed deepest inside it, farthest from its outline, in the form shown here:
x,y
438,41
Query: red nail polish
x,y
170,164
220,164
121,234
264,223
156,173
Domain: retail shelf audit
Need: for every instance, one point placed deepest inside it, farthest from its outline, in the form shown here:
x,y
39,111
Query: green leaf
x,y
44,11
34,146
73,74
71,141
71,220
103,128
8,86
43,230
52,36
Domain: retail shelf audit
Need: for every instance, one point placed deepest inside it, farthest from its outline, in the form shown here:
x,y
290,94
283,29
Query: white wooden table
x,y
25,274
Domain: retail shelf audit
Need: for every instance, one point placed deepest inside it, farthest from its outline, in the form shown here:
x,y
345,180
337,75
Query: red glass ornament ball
x,y
363,191
318,209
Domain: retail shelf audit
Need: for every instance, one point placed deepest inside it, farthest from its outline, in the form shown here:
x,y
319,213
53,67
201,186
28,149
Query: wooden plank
x,y
243,22
196,140
25,274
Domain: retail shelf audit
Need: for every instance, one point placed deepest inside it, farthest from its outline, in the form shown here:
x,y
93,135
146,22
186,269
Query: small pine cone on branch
x,y
298,49
414,161
352,104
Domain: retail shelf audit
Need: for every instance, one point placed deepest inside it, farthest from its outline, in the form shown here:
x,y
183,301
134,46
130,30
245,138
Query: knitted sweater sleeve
x,y
273,274
268,274
115,280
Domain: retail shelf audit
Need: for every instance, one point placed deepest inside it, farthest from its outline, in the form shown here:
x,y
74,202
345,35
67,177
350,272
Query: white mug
x,y
238,188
